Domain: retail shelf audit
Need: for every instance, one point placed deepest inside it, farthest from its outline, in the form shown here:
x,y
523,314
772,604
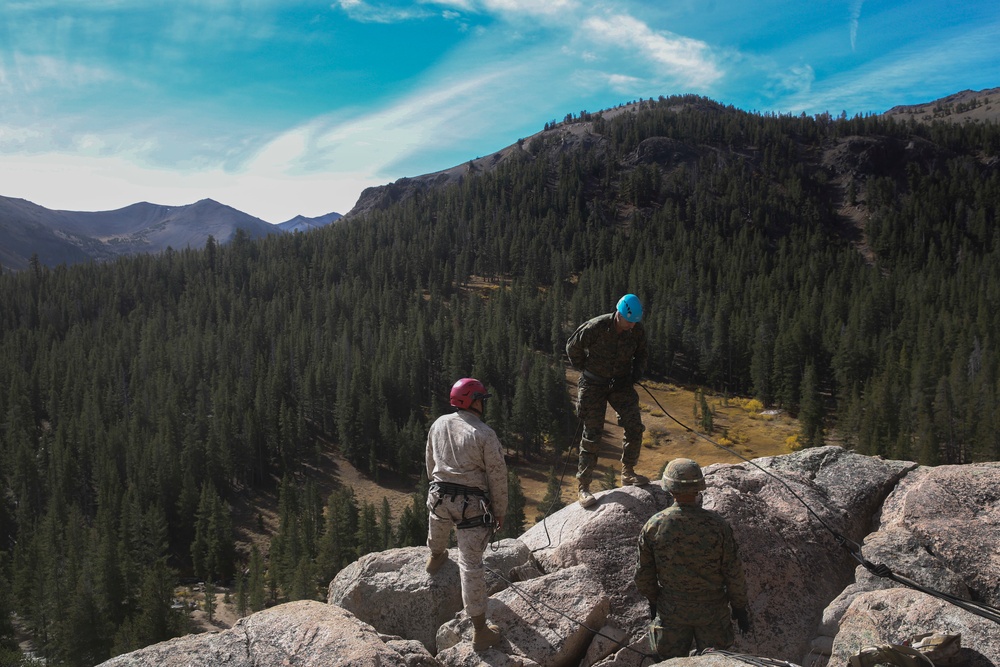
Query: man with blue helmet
x,y
610,353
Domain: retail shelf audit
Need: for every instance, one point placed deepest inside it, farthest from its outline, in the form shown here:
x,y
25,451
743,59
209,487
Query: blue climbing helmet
x,y
630,308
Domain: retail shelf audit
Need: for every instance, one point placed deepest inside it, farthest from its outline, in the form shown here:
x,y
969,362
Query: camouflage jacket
x,y
462,449
689,562
596,346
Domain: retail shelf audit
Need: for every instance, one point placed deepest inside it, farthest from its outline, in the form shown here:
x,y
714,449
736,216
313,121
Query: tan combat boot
x,y
484,634
587,499
435,561
631,478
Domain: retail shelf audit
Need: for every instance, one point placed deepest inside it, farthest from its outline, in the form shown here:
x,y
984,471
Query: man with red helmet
x,y
468,490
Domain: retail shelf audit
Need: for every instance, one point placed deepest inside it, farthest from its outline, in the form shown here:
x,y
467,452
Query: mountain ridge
x,y
69,237
981,106
974,106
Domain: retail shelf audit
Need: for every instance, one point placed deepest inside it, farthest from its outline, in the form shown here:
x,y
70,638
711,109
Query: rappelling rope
x,y
878,569
749,659
494,541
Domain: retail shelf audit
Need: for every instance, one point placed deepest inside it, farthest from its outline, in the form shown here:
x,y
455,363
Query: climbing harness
x,y
853,548
471,496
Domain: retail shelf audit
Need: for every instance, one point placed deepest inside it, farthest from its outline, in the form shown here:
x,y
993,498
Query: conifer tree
x,y
256,582
552,502
209,603
810,410
369,538
513,524
242,594
385,525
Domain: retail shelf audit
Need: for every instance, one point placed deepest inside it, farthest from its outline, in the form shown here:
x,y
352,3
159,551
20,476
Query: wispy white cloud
x,y
511,8
365,12
923,71
23,73
371,144
675,57
530,7
623,83
796,80
855,20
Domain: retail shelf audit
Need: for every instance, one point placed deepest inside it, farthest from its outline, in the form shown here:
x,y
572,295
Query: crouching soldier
x,y
690,571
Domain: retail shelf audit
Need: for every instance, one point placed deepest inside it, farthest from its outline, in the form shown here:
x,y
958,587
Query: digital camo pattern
x,y
591,406
462,449
596,346
674,640
472,543
689,565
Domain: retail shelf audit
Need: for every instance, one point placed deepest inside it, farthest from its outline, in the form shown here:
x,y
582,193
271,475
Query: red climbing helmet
x,y
465,392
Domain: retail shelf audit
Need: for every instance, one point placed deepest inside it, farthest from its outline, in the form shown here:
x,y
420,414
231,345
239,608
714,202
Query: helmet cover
x,y
683,475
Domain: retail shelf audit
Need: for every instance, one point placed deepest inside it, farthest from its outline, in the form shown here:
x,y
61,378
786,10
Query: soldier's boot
x,y
587,499
631,478
484,633
435,561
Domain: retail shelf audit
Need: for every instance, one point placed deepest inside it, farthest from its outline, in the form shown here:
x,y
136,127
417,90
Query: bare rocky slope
x,y
975,106
563,592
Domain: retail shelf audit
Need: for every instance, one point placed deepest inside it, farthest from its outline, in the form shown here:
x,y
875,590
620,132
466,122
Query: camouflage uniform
x,y
609,362
690,567
462,450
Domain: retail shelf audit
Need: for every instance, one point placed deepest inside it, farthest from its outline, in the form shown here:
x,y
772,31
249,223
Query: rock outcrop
x,y
563,593
304,633
370,588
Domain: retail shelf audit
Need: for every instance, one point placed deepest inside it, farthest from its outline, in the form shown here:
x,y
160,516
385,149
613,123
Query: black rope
x,y
566,462
749,659
971,606
852,547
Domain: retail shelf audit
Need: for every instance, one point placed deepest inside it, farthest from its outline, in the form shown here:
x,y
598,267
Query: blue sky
x,y
286,107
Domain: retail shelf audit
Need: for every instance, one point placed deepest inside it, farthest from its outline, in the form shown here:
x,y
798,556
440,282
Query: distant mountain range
x,y
68,237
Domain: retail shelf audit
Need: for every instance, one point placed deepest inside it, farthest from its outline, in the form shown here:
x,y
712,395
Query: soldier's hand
x,y
742,618
499,520
652,610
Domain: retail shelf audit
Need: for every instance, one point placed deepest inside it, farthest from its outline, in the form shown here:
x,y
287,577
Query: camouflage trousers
x,y
671,638
592,403
472,542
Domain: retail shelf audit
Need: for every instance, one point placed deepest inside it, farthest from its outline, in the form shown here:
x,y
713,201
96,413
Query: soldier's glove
x,y
652,611
742,619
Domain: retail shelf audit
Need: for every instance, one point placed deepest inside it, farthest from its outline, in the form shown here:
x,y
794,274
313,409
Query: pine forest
x,y
843,269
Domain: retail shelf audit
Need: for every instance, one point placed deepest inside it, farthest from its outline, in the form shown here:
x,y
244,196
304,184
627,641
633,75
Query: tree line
x,y
147,396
